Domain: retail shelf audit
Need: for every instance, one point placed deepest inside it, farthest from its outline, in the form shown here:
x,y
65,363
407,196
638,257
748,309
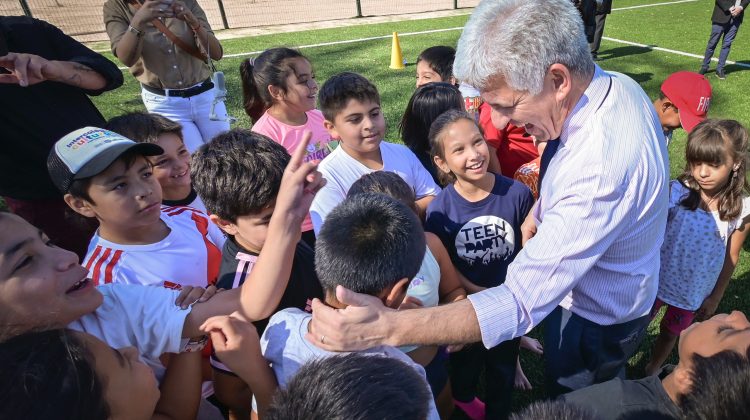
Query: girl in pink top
x,y
279,91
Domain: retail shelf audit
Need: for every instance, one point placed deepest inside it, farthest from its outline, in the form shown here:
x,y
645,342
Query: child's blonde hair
x,y
709,142
437,128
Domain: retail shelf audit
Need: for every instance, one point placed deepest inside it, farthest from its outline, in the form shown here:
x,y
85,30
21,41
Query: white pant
x,y
192,113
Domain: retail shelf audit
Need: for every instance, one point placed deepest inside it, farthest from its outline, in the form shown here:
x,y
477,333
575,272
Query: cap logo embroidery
x,y
85,138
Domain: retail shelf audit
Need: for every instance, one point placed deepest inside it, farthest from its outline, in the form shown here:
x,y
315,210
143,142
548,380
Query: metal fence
x,y
83,18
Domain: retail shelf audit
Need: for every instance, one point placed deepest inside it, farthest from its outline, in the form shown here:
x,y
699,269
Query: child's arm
x,y
264,286
236,342
181,388
422,204
450,286
734,245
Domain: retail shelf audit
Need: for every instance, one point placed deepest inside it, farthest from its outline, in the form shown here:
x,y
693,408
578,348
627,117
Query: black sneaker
x,y
703,70
720,74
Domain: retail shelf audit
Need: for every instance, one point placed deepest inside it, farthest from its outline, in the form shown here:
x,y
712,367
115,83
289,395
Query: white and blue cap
x,y
89,151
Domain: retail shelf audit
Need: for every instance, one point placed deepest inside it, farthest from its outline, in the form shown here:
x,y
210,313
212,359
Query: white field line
x,y
686,54
652,5
406,34
346,41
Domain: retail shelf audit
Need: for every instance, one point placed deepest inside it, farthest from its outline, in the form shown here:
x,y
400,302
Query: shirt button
x,y
165,35
169,51
174,67
179,83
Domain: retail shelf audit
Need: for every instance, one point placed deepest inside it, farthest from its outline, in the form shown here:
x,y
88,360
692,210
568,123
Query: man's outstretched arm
x,y
366,323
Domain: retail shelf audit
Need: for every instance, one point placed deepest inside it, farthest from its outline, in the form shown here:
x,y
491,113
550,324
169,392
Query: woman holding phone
x,y
167,45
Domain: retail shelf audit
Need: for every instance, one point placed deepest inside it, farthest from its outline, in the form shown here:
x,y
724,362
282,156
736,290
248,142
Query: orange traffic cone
x,y
397,59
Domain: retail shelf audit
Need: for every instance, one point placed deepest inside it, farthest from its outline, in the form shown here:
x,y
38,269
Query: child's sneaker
x,y
474,409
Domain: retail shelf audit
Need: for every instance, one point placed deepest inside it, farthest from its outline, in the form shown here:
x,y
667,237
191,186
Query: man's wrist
x,y
393,335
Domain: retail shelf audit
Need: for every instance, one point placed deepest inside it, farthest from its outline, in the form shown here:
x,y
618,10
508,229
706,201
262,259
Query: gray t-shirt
x,y
284,346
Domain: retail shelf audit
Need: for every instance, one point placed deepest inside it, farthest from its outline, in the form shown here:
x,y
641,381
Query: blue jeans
x,y
728,31
579,352
192,113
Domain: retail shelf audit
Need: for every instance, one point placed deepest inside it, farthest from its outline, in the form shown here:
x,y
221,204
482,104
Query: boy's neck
x,y
247,247
144,235
175,193
372,160
475,191
287,116
670,387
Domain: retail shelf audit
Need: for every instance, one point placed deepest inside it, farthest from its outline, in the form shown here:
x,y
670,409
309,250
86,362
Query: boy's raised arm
x,y
262,290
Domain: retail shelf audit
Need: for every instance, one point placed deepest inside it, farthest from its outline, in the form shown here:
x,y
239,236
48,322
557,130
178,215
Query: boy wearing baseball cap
x,y
106,176
683,102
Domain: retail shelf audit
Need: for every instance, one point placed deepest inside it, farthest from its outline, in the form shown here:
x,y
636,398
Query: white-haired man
x,y
593,263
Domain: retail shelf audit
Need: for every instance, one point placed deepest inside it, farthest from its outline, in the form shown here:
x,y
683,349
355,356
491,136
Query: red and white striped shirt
x,y
190,255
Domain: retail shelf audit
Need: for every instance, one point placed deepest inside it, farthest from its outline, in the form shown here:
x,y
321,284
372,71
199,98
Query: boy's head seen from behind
x,y
388,183
435,64
238,175
371,244
353,387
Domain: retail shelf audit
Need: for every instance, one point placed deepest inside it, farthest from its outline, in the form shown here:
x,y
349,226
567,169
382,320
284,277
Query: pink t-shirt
x,y
290,136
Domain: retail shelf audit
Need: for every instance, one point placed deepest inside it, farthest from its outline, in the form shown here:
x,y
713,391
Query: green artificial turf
x,y
683,27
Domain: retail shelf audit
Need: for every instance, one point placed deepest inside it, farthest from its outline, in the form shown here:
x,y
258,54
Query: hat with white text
x,y
691,94
89,151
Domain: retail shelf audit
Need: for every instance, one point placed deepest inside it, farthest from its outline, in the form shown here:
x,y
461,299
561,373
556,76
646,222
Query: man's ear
x,y
562,80
331,129
79,205
228,227
667,105
397,293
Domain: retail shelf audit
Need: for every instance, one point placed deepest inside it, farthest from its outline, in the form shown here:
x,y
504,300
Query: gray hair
x,y
519,40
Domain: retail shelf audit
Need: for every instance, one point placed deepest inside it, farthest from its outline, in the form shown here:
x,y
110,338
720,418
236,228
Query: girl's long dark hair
x,y
50,375
270,68
425,105
709,142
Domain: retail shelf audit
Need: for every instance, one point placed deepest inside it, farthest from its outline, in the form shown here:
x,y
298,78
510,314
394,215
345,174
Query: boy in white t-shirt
x,y
343,256
107,176
351,106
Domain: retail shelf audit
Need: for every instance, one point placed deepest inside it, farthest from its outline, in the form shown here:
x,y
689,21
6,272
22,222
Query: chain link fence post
x,y
359,8
223,14
26,8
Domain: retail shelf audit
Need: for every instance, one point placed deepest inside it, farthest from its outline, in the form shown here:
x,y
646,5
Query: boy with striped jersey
x,y
139,241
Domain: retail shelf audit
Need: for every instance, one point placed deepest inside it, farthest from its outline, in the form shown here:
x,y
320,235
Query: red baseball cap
x,y
691,94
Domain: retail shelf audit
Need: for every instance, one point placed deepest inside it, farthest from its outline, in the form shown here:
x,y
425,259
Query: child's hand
x,y
299,184
531,344
707,309
410,302
234,338
190,295
454,348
